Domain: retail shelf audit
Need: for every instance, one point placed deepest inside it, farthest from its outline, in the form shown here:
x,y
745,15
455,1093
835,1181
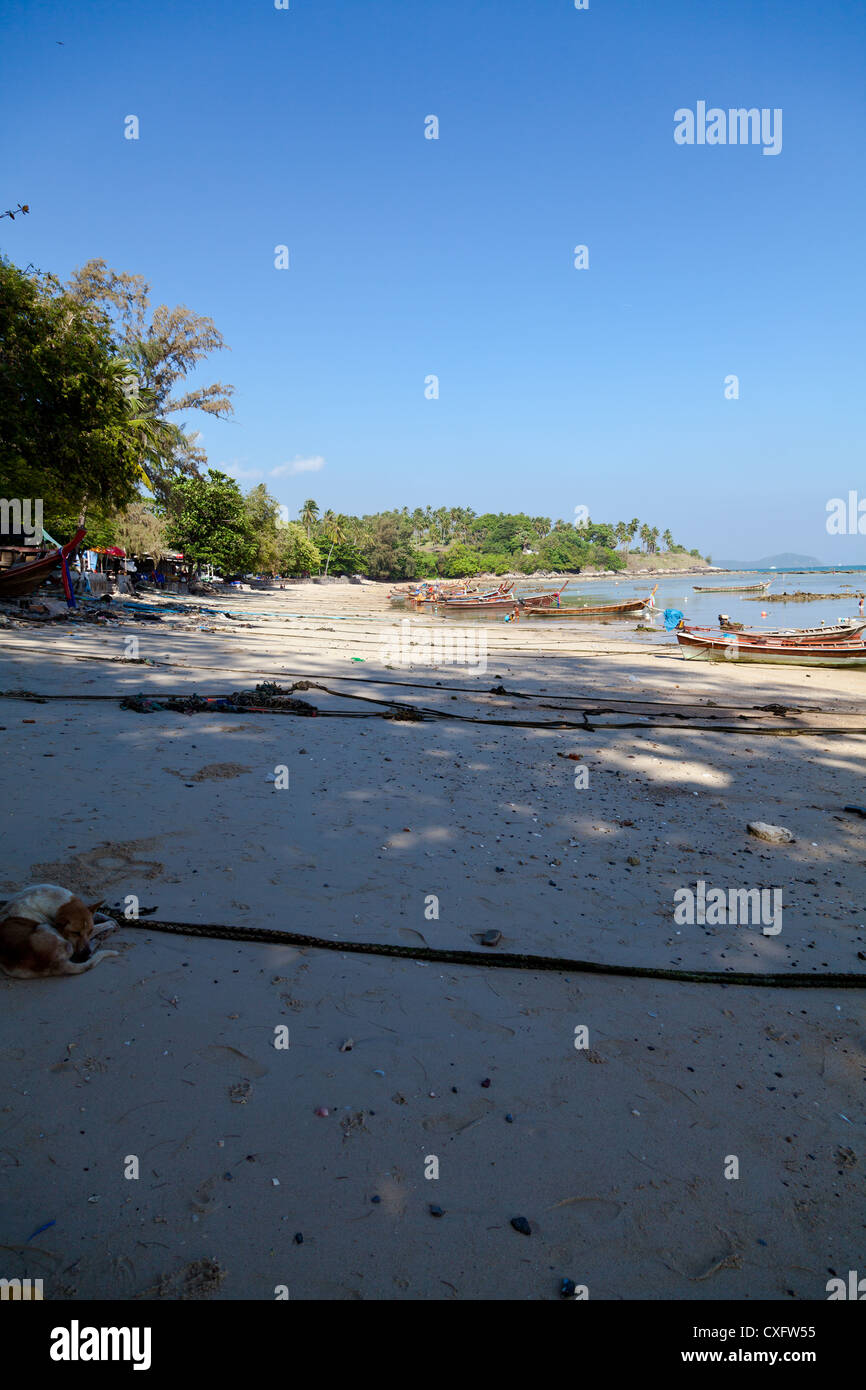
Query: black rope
x,y
509,960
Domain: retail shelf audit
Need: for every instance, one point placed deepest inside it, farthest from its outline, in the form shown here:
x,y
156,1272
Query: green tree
x,y
67,431
141,531
668,539
459,561
262,515
335,532
308,514
296,553
209,523
163,348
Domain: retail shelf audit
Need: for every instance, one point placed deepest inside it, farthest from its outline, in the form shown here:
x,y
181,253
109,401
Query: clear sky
x,y
410,257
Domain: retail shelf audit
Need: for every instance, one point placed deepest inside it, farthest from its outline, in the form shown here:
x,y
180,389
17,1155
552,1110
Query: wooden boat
x,y
782,652
550,599
830,635
599,610
732,588
19,580
493,600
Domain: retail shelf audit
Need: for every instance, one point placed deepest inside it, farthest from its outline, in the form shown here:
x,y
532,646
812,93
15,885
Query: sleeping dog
x,y
46,930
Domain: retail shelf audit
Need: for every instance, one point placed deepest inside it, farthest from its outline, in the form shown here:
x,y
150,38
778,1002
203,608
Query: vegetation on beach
x,y
92,380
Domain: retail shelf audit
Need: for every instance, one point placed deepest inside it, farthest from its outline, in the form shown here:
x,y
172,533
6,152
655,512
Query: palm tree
x,y
621,533
308,514
334,529
646,536
632,527
654,537
668,539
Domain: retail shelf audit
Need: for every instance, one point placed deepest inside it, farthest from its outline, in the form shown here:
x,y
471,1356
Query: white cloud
x,y
298,465
237,471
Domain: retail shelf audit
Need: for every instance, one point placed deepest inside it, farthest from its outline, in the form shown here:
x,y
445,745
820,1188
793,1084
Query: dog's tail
x,y
73,968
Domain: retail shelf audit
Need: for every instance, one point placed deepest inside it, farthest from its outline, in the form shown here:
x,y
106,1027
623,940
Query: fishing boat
x,y
732,588
492,601
550,599
781,652
850,631
598,610
19,580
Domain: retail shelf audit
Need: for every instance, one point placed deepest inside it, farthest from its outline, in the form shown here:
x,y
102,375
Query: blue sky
x,y
410,257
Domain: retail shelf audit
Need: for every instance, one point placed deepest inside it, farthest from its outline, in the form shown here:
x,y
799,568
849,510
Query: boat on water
x,y
732,588
781,652
549,599
595,610
831,635
20,580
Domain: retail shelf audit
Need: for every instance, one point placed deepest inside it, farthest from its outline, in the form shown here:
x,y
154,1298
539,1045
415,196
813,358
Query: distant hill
x,y
786,561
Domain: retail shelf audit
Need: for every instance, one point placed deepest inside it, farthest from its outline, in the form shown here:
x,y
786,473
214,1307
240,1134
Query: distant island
x,y
786,561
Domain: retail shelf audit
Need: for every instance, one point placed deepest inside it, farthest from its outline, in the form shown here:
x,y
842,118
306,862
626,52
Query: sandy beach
x,y
257,1161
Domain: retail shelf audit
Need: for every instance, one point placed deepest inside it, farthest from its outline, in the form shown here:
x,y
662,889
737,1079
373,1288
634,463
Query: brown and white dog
x,y
46,930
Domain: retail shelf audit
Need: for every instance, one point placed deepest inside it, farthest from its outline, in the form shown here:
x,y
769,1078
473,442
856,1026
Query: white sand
x,y
140,1056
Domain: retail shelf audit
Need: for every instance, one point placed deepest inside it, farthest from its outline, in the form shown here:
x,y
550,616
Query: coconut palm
x,y
308,513
334,528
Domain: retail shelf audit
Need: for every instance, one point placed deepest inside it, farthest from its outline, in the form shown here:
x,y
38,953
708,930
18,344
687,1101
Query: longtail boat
x,y
493,600
602,610
830,635
732,588
781,652
19,580
550,599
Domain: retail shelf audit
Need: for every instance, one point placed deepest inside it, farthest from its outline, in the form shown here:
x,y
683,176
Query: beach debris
x,y
490,938
268,697
322,1111
298,1238
347,1045
521,1224
434,1210
376,1200
773,834
49,1224
633,860
856,810
486,1082
197,1280
567,1288
509,1118
240,1092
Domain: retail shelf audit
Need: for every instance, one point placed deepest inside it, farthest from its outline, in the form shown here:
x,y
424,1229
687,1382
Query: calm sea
x,y
703,610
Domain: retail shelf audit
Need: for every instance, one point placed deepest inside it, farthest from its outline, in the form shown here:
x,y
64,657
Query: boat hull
x,y
20,580
731,588
608,610
807,636
696,648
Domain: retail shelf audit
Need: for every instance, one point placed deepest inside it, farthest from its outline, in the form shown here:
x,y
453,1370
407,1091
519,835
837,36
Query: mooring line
x,y
506,960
